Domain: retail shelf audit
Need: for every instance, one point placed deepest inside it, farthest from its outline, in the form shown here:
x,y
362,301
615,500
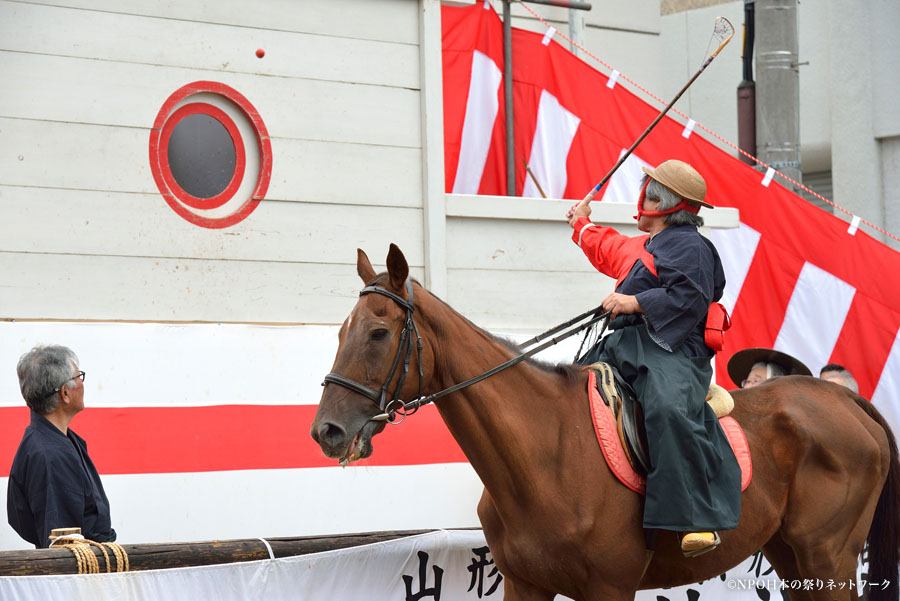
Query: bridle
x,y
390,409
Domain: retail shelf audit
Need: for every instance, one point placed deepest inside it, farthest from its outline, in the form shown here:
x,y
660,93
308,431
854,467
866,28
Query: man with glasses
x,y
753,366
53,482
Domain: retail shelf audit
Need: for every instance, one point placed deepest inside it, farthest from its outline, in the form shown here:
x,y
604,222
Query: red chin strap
x,y
683,205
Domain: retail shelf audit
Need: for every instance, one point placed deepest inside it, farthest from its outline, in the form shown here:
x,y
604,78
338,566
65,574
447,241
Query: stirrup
x,y
606,383
694,544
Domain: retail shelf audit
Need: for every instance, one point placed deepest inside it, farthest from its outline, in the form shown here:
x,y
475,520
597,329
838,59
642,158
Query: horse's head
x,y
376,342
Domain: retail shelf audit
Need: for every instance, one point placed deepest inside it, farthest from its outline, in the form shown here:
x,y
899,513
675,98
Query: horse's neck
x,y
509,424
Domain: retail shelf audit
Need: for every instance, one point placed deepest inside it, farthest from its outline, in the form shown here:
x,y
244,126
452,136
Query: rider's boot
x,y
698,543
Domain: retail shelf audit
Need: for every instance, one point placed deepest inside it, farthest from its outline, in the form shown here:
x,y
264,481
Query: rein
x,y
389,409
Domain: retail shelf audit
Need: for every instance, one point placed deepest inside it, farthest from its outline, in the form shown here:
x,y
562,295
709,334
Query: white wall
x,y
338,90
624,34
86,235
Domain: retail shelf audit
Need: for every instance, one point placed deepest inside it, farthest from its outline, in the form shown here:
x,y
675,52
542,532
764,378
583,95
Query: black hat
x,y
742,362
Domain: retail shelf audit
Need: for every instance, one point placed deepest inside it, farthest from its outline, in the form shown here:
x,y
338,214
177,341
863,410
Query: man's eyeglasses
x,y
753,380
78,376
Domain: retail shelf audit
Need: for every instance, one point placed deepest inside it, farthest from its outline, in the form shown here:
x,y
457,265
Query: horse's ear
x,y
364,266
398,268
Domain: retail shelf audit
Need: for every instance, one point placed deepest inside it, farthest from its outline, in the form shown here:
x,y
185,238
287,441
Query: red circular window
x,y
210,154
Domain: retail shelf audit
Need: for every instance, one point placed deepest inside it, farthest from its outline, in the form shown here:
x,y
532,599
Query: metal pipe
x,y
746,112
576,4
508,82
576,30
746,91
508,100
777,86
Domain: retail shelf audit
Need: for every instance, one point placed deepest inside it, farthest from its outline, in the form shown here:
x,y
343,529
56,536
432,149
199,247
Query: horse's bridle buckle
x,y
394,407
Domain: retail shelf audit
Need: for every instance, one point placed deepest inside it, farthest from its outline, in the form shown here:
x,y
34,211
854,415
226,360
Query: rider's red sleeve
x,y
610,252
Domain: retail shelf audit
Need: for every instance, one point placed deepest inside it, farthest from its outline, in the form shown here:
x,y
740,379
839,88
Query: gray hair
x,y
669,200
772,369
42,371
843,374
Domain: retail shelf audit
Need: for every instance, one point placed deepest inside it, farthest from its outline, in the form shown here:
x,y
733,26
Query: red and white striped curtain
x,y
799,280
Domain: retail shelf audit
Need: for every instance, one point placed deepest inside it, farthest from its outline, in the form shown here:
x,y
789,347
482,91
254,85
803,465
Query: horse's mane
x,y
567,370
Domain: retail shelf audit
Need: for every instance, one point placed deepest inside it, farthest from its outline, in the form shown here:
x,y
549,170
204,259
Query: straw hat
x,y
742,362
682,179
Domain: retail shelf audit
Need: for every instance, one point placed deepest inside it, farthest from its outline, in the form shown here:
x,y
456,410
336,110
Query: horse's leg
x,y
514,589
827,530
830,563
782,558
619,579
610,591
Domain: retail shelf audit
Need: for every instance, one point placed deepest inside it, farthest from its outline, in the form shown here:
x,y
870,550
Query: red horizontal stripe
x,y
145,440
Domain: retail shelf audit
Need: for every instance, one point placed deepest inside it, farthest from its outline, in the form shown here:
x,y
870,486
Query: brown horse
x,y
825,472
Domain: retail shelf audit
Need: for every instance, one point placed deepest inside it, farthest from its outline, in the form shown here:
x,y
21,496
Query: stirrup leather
x,y
628,415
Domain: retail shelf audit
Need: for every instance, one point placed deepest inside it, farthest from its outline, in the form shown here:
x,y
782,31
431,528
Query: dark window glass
x,y
201,155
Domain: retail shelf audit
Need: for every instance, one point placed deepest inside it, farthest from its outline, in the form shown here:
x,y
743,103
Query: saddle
x,y
628,416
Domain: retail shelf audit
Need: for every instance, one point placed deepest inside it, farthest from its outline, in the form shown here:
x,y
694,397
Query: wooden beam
x,y
157,556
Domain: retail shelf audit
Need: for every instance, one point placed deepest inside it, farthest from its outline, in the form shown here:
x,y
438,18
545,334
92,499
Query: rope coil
x,y
85,556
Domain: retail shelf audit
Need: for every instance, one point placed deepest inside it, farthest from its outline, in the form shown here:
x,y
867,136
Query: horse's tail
x,y
884,533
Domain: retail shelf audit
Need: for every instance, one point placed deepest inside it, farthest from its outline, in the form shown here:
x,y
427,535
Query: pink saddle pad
x,y
608,437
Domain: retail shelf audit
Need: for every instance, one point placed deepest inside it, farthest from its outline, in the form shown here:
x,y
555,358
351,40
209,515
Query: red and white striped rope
x,y
703,127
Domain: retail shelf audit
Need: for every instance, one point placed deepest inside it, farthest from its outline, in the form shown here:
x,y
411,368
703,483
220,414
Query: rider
x,y
665,285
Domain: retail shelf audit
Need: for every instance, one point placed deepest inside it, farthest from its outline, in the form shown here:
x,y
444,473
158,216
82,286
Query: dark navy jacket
x,y
689,276
53,484
675,276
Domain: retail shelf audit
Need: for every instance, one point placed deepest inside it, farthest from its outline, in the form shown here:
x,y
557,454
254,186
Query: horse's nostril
x,y
331,434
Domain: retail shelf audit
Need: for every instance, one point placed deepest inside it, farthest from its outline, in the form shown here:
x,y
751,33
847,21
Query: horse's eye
x,y
379,334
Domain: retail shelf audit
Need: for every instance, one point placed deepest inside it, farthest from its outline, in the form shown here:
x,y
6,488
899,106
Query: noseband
x,y
390,408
